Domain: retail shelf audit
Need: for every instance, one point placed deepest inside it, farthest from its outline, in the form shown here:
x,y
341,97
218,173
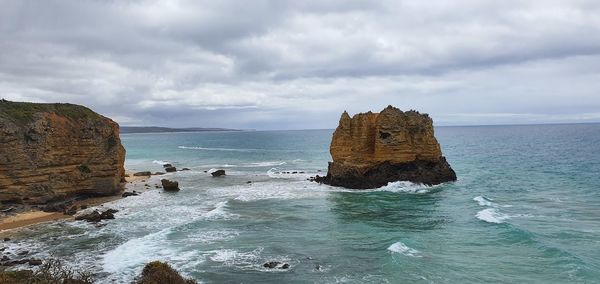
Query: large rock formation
x,y
370,150
53,151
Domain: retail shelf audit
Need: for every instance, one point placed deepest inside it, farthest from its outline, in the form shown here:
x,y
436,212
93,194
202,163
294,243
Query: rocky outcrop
x,y
370,150
169,185
53,151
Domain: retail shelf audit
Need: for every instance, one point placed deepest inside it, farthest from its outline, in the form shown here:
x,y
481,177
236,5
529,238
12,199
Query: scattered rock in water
x,y
271,264
218,173
25,252
142,174
317,267
95,216
205,171
169,185
249,182
171,169
159,173
276,264
34,262
6,239
127,194
167,165
185,169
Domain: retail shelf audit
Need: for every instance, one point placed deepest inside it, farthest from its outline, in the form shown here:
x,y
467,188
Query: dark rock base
x,y
424,172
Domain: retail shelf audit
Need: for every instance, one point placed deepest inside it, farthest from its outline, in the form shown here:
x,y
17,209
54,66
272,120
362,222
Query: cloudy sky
x,y
298,64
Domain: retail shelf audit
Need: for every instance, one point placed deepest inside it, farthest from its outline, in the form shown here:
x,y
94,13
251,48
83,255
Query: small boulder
x,y
169,185
159,173
143,174
185,169
96,216
218,173
285,266
167,165
71,211
170,169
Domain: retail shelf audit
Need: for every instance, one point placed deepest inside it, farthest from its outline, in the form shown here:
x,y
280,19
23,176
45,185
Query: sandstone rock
x,y
218,173
370,150
169,185
170,169
51,151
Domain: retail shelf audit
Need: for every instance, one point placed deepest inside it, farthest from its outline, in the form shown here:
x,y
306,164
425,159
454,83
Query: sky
x,y
299,64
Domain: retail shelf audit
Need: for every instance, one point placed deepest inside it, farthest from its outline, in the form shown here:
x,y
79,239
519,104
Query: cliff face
x,y
371,149
52,151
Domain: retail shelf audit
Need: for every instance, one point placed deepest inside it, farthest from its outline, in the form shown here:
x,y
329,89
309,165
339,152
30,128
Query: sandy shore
x,y
35,216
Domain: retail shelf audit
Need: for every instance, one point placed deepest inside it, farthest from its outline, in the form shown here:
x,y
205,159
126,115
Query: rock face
x,y
53,151
370,150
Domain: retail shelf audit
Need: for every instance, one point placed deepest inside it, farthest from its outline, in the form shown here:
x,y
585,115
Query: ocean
x,y
525,209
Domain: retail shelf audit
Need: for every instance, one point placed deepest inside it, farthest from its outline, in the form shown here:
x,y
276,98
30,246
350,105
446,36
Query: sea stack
x,y
370,150
53,151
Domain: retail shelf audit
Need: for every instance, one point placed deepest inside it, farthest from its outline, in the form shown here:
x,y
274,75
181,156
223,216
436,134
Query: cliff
x,y
370,150
52,151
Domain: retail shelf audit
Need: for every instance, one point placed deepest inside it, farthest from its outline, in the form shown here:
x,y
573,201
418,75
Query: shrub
x,y
51,271
157,272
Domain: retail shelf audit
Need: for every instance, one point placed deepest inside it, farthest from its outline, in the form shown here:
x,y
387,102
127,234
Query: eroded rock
x,y
370,150
218,173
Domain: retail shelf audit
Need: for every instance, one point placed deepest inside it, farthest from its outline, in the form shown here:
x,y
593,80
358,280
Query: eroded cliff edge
x,y
370,150
49,152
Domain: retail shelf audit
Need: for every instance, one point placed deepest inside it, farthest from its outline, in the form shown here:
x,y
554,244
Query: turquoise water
x,y
525,209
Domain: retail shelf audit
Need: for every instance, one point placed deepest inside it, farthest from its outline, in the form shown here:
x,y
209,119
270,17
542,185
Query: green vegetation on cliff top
x,y
24,112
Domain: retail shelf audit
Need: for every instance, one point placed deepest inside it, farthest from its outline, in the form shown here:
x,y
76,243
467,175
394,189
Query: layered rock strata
x,y
370,150
50,152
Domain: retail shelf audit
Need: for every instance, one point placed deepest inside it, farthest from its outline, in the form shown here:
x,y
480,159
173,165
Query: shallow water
x,y
525,209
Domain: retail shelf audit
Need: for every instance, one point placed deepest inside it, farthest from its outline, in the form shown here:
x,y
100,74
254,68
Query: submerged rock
x,y
218,173
142,174
169,185
127,194
370,150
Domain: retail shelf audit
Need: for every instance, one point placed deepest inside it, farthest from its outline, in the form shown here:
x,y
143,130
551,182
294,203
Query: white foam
x,y
219,212
159,162
406,187
230,257
492,215
401,248
137,252
264,164
483,201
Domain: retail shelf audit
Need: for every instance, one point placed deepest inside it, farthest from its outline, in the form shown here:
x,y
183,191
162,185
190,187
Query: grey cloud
x,y
298,64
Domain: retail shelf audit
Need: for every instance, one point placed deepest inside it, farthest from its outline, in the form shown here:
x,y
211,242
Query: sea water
x,y
525,209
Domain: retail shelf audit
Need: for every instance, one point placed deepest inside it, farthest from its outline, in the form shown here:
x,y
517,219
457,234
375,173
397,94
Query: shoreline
x,y
37,216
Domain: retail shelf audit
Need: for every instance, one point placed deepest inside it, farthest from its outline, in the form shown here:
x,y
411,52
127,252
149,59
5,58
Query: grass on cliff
x,y
23,112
